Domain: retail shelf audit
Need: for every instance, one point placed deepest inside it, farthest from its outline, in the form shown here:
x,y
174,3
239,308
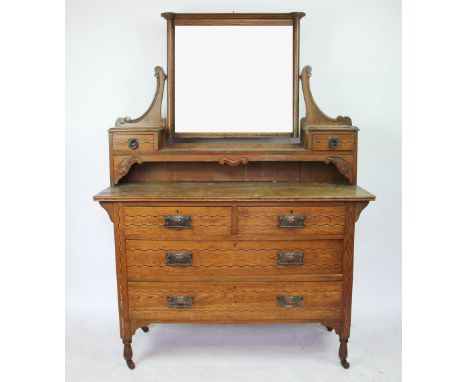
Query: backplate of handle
x,y
179,259
178,221
180,302
290,258
291,221
133,143
285,301
333,142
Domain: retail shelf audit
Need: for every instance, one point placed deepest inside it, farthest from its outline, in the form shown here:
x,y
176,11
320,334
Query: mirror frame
x,y
239,19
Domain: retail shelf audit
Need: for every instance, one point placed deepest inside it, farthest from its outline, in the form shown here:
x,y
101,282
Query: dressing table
x,y
231,209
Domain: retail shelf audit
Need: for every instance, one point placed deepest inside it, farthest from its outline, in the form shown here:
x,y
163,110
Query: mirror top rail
x,y
207,19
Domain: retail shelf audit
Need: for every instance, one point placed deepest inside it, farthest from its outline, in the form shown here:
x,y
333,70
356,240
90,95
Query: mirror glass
x,y
233,79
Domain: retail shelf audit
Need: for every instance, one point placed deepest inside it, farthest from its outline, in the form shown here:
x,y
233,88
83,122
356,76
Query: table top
x,y
235,191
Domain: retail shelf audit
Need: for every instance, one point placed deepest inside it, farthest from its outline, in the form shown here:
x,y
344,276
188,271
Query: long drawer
x,y
146,260
177,221
292,220
234,301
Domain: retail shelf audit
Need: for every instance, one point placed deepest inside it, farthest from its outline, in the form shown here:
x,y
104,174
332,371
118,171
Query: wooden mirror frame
x,y
225,19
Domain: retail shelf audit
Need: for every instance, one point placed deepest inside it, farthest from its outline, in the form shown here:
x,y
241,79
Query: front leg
x,y
128,354
343,352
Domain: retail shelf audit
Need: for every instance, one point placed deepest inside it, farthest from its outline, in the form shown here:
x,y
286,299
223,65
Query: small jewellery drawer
x,y
133,143
332,141
177,221
291,220
200,301
148,260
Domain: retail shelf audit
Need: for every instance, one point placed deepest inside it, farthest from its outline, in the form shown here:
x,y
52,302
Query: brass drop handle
x,y
179,259
333,142
133,143
178,221
285,301
180,302
290,258
291,221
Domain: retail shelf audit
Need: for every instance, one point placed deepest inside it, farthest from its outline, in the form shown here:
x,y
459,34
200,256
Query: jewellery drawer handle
x,y
290,258
178,221
133,143
291,221
285,301
180,302
333,142
179,259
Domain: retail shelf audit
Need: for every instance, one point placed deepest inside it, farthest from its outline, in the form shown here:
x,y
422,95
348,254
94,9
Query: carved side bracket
x,y
315,116
341,165
124,166
109,207
336,325
233,162
358,209
152,116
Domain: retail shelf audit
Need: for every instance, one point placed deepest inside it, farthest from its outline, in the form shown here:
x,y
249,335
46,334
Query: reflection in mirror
x,y
233,79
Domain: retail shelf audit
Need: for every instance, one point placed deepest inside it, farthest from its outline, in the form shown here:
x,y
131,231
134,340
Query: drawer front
x,y
291,220
133,143
176,221
234,301
332,141
147,260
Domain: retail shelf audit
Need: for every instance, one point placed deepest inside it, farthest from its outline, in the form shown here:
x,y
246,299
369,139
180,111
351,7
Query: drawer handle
x,y
291,221
333,142
179,302
133,143
285,301
179,259
290,258
178,221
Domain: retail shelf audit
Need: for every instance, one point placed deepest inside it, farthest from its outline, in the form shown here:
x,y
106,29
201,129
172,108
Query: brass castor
x,y
145,329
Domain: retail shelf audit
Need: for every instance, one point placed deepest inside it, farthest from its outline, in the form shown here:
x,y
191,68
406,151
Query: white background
x,y
354,49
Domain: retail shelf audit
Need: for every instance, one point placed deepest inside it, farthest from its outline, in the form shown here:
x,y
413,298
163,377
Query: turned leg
x,y
343,352
145,329
128,354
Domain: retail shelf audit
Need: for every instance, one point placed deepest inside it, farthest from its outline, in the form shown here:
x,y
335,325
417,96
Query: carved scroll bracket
x,y
124,166
152,117
342,166
233,162
109,207
315,116
358,209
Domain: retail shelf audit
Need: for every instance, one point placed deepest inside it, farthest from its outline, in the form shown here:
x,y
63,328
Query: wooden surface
x,y
236,191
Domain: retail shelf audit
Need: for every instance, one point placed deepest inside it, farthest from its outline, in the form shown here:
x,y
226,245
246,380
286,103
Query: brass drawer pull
x,y
333,142
178,221
285,301
180,302
179,259
133,143
290,258
291,221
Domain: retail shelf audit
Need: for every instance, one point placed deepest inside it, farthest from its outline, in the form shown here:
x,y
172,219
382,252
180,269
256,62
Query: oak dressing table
x,y
240,226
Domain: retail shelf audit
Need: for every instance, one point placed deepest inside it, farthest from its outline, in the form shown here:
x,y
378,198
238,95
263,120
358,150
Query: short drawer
x,y
177,221
331,141
148,260
291,220
234,301
133,143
